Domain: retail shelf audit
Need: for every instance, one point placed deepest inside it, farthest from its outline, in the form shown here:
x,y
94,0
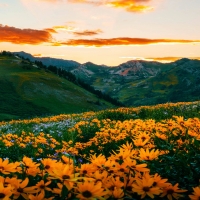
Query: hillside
x,y
139,82
28,91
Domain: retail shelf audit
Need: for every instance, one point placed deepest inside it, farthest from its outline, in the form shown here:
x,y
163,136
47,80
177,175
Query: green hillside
x,y
28,91
138,82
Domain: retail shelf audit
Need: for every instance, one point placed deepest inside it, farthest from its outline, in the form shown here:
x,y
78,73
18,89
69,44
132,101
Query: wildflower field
x,y
148,152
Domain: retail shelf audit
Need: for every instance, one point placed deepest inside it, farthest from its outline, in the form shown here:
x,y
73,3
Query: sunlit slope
x,y
26,91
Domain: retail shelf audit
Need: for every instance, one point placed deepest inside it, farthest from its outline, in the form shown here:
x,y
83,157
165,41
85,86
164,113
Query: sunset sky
x,y
106,32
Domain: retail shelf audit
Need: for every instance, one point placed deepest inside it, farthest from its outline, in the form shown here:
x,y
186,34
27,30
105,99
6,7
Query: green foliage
x,y
158,113
178,165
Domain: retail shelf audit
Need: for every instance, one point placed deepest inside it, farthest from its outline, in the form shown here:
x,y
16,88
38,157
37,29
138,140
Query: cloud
x,y
170,59
64,28
48,55
74,31
36,37
25,36
50,30
121,41
128,5
158,59
87,32
93,2
131,5
135,6
37,55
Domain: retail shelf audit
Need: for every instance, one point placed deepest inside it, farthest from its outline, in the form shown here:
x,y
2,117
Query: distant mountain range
x,y
137,82
67,64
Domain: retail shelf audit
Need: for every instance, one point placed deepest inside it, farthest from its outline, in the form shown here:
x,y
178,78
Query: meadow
x,y
146,152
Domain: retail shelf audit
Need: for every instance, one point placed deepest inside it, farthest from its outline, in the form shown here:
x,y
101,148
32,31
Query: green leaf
x,y
64,192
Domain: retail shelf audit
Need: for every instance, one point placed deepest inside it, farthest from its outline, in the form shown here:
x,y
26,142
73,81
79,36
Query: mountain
x,y
29,91
66,64
145,83
138,82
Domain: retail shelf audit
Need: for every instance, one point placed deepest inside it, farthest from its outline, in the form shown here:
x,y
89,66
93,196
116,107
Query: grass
x,y
146,152
27,91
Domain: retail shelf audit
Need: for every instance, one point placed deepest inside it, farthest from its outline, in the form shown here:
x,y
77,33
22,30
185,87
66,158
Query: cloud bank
x,y
25,36
131,5
87,32
128,5
37,37
123,41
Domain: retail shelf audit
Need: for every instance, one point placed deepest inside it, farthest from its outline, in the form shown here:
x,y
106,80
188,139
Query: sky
x,y
108,32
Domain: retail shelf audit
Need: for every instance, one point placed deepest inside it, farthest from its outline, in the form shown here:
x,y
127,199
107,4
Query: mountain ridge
x,y
33,58
138,82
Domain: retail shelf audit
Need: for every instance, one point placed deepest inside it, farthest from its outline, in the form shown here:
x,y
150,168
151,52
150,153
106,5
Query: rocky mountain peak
x,y
135,68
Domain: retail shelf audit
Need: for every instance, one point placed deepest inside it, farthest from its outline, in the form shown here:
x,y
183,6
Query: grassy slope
x,y
28,91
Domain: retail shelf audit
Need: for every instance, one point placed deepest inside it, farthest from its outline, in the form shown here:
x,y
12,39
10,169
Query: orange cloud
x,y
64,28
170,59
35,37
159,59
37,55
50,30
73,29
87,32
24,36
128,5
131,5
121,41
48,55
